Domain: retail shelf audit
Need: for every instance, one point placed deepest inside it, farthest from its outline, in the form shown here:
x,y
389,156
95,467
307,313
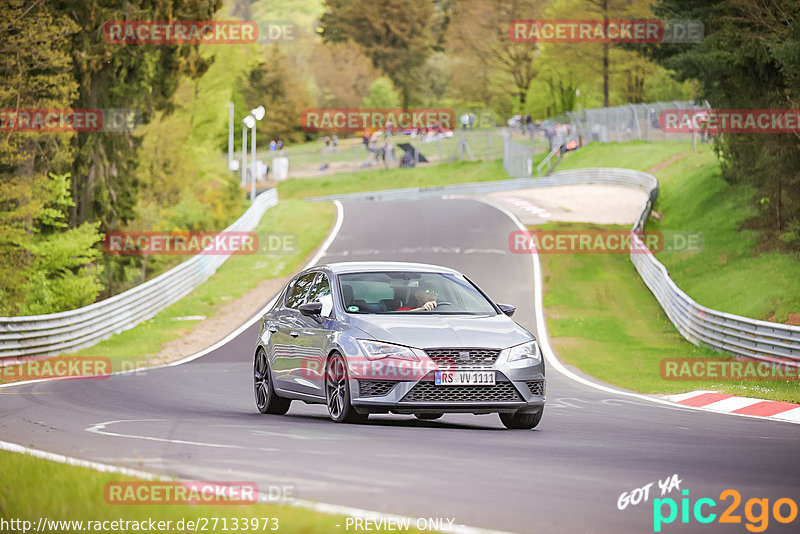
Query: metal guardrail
x,y
700,325
51,334
546,161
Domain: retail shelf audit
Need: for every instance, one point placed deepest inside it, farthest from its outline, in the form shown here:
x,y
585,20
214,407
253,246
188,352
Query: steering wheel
x,y
443,303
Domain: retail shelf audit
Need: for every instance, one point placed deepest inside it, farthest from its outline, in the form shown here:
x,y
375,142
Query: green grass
x,y
33,488
727,274
602,319
310,221
355,182
637,155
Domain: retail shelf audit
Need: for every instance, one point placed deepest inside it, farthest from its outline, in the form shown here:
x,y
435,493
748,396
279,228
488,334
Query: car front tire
x,y
337,392
267,401
521,421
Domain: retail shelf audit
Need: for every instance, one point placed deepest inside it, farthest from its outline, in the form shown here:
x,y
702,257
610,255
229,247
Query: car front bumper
x,y
512,392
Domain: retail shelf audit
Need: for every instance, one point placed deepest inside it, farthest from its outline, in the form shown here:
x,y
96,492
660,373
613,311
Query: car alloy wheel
x,y
337,392
267,401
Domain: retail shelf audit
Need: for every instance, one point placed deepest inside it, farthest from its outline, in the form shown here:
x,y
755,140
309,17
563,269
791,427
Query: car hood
x,y
429,331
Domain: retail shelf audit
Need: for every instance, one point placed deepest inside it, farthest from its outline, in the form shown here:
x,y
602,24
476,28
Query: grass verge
x,y
310,222
728,274
602,318
426,176
637,155
33,488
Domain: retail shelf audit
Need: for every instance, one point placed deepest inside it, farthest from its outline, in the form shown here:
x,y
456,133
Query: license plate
x,y
464,378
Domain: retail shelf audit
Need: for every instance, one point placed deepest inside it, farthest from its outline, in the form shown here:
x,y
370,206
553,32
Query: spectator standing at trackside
x,y
273,146
388,128
529,123
365,141
327,143
335,141
563,134
464,121
279,145
654,123
471,121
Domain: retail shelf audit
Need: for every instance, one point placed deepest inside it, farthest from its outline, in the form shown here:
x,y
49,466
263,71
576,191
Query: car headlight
x,y
376,350
528,350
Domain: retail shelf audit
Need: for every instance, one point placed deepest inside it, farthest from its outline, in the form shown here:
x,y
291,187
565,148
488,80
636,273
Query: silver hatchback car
x,y
406,338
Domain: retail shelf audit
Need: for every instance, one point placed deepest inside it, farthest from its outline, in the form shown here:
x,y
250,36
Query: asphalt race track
x,y
199,421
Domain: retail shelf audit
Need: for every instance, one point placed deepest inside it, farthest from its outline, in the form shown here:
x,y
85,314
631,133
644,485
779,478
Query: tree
x,y
382,94
341,87
273,84
35,72
395,34
485,60
63,274
749,58
140,77
620,70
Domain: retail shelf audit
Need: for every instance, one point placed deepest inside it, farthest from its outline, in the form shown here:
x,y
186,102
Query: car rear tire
x,y
337,392
267,401
521,421
428,416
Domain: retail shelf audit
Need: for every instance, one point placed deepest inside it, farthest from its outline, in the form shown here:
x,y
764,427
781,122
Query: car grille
x,y
536,387
427,391
375,388
476,360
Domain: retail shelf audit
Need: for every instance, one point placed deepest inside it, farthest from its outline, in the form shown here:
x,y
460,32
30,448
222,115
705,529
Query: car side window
x,y
297,292
321,292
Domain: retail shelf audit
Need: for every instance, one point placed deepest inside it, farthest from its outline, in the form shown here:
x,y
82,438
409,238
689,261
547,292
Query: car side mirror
x,y
508,309
311,309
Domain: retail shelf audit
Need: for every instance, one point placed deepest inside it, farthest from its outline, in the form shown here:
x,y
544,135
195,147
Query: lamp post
x,y
230,136
255,115
250,122
244,151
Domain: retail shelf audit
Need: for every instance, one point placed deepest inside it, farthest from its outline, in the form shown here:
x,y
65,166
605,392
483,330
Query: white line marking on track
x,y
100,428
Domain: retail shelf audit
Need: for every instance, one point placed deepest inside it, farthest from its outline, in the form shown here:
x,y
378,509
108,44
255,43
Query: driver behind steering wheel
x,y
425,296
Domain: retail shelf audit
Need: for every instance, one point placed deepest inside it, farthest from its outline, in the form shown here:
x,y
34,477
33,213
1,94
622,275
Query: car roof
x,y
379,266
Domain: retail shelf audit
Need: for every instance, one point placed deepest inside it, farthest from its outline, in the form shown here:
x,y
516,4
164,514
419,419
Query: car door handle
x,y
272,328
294,333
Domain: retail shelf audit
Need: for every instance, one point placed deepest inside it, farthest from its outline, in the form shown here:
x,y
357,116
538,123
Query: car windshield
x,y
408,292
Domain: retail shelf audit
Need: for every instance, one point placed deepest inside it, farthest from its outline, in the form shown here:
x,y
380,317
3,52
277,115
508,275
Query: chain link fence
x,y
399,150
633,122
